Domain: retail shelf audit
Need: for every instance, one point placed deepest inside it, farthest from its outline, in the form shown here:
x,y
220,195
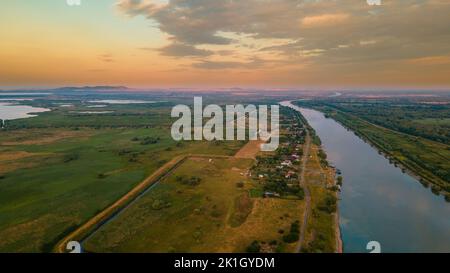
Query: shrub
x,y
435,189
150,140
190,181
328,204
254,247
70,157
447,197
291,237
159,204
295,227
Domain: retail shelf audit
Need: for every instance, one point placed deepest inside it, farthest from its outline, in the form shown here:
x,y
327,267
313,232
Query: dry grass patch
x,y
268,217
14,160
40,137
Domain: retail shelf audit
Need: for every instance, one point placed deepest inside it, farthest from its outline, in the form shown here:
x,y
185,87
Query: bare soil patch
x,y
250,150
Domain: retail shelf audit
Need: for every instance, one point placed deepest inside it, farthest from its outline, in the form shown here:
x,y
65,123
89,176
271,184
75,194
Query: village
x,y
278,172
299,171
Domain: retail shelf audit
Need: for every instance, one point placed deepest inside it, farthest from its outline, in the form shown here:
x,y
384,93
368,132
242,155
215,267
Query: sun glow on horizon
x,y
223,43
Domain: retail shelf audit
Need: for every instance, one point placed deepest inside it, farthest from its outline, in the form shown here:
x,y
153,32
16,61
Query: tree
x,y
339,180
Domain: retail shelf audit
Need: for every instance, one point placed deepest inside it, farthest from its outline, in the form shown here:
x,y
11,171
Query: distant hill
x,y
92,88
71,89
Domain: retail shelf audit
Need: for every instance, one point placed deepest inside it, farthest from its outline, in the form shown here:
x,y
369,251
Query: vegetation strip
x,y
425,176
422,158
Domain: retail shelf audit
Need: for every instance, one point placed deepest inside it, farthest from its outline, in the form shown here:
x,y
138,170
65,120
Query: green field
x,y
53,179
434,121
409,116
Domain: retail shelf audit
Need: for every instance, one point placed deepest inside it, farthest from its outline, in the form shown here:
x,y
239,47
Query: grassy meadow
x,y
59,169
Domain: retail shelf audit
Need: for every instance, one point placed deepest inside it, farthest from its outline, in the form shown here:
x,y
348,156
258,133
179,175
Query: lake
x,y
123,101
10,111
378,201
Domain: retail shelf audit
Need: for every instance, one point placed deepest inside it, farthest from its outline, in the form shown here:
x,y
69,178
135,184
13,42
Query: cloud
x,y
180,50
254,64
317,32
138,7
107,58
432,60
325,20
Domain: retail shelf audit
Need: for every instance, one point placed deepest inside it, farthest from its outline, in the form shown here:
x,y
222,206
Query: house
x,y
286,163
269,194
289,174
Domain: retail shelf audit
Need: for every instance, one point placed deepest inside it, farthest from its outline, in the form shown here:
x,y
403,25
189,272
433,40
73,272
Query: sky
x,y
226,43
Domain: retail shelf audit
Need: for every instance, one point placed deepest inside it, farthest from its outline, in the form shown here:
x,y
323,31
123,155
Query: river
x,y
378,201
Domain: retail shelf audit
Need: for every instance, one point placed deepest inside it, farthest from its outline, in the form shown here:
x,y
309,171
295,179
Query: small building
x,y
269,194
286,163
289,174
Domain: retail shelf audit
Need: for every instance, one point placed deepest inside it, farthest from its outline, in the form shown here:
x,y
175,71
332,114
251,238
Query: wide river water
x,y
378,201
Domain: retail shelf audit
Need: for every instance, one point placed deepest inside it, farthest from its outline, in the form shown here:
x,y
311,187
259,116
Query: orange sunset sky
x,y
225,43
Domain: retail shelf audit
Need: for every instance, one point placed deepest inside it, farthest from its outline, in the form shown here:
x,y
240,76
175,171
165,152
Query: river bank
x,y
310,153
421,175
378,201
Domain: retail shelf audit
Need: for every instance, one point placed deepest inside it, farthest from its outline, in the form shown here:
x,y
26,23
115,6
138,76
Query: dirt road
x,y
306,148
